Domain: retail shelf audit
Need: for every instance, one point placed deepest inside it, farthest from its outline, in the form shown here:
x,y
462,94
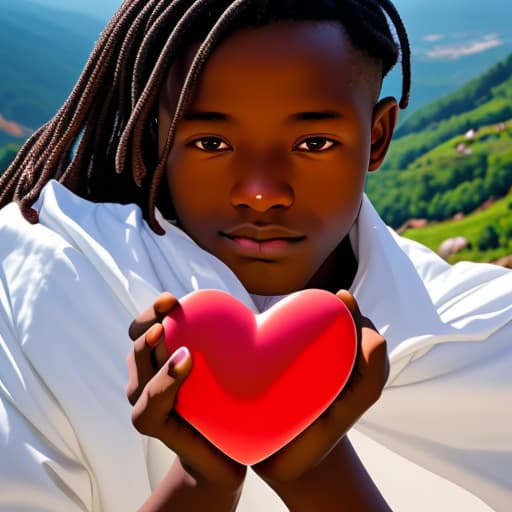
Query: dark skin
x,y
276,192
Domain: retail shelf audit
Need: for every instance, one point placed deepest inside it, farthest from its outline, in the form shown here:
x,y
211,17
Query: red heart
x,y
257,381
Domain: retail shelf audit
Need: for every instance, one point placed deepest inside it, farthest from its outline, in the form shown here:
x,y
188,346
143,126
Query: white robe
x,y
70,286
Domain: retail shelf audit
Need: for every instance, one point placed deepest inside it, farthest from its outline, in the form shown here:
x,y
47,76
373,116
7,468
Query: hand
x,y
154,380
361,391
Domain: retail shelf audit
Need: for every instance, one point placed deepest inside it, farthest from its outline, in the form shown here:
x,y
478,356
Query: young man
x,y
262,156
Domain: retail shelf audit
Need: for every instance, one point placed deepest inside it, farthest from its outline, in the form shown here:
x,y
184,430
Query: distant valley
x,y
449,160
45,43
452,152
42,52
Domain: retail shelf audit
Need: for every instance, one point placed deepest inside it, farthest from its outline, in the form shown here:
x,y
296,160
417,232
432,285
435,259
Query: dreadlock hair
x,y
100,143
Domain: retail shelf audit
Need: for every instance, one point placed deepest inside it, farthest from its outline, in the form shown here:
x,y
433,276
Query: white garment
x,y
70,286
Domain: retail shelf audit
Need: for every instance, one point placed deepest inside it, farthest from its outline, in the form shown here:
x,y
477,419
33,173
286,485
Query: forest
x,y
446,160
451,156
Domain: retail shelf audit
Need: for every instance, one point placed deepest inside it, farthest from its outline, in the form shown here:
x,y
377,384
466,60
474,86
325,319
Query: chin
x,y
271,288
270,280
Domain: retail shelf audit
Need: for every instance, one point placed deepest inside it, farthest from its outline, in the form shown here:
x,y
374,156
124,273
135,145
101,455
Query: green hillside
x,y
475,93
488,232
433,171
42,53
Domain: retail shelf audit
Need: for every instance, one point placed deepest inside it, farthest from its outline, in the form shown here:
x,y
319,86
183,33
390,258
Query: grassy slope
x,y
425,145
486,141
475,93
469,227
433,134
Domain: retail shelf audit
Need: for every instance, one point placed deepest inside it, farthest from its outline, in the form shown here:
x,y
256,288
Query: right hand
x,y
294,461
153,382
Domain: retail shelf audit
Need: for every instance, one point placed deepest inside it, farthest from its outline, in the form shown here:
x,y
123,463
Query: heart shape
x,y
257,381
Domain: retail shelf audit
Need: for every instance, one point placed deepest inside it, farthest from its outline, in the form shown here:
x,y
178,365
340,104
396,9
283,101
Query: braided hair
x,y
101,145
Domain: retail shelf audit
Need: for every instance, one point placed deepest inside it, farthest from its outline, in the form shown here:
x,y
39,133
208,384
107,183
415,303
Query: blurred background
x,y
447,179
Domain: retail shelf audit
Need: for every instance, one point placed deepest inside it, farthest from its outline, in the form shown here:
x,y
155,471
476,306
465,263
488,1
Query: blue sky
x,y
454,29
439,29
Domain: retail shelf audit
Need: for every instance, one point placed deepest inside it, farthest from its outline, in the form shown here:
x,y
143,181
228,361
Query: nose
x,y
261,187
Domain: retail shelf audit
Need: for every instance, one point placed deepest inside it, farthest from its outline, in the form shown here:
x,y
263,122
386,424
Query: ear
x,y
385,115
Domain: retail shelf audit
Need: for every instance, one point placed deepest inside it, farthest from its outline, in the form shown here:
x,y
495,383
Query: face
x,y
269,163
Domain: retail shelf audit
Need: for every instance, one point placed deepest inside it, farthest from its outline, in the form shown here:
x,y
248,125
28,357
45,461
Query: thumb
x,y
348,299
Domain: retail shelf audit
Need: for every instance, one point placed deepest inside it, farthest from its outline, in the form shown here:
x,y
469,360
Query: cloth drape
x,y
70,286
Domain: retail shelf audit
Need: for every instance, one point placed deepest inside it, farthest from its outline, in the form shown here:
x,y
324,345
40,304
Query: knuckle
x,y
140,424
376,344
130,361
377,393
141,418
132,330
132,393
139,345
164,303
132,387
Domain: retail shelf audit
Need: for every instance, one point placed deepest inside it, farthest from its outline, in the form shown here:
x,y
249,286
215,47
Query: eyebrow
x,y
316,116
206,116
299,116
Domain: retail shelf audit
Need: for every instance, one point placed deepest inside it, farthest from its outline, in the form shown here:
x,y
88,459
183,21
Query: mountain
x,y
453,41
44,44
42,52
451,156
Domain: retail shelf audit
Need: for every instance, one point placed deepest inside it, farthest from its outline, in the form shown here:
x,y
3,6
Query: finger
x,y
151,411
155,314
198,455
141,362
153,415
372,349
349,300
370,374
374,363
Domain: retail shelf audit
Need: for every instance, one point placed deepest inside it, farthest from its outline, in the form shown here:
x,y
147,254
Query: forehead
x,y
288,61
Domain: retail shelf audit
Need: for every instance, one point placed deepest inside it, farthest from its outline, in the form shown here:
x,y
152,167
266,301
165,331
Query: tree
x,y
488,239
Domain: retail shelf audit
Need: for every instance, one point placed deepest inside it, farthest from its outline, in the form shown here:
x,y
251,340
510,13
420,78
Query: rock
x,y
452,246
506,261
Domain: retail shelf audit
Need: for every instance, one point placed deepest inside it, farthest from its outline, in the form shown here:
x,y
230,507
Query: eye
x,y
211,144
316,144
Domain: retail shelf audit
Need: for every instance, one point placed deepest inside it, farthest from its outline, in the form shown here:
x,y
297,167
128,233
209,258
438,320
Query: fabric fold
x,y
70,285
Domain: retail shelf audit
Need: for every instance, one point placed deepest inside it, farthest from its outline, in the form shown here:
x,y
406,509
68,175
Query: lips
x,y
271,240
263,234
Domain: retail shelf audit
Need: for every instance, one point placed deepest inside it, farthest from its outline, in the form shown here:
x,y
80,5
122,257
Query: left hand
x,y
153,384
361,391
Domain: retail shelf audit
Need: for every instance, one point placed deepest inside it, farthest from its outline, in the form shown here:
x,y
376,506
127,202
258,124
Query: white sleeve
x,y
66,440
41,468
69,288
448,406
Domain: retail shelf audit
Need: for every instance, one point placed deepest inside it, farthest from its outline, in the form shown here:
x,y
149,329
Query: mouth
x,y
262,242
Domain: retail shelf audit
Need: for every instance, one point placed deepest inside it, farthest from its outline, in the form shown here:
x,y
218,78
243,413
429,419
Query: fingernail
x,y
179,356
153,334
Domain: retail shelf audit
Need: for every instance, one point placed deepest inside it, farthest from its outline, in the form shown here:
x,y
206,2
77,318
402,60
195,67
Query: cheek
x,y
334,189
184,186
195,193
333,200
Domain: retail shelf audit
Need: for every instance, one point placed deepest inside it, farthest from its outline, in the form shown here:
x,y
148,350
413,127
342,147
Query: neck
x,y
338,271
